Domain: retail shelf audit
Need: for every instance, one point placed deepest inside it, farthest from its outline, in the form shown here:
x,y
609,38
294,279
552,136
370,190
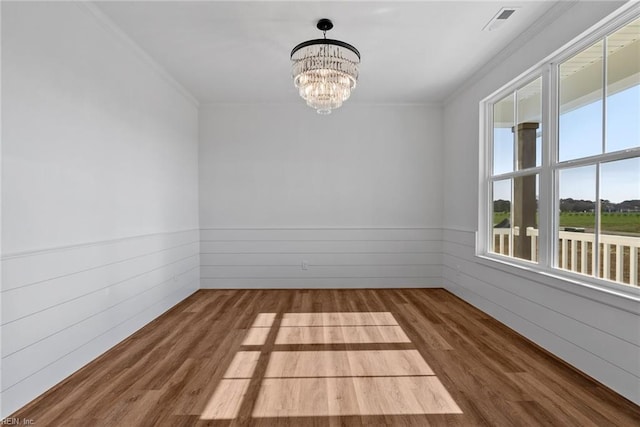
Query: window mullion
x,y
546,227
598,208
486,182
553,200
604,95
514,126
514,168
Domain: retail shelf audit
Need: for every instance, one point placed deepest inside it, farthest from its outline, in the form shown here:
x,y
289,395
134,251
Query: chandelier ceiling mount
x,y
324,25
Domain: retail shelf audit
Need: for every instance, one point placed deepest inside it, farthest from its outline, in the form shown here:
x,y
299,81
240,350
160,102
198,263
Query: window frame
x,y
550,167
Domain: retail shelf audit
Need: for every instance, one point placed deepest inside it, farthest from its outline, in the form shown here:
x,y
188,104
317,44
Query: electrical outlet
x,y
305,265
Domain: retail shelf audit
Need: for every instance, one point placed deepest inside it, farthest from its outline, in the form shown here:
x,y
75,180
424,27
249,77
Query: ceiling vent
x,y
499,19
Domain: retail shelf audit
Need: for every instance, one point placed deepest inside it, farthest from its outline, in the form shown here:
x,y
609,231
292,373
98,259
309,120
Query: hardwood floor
x,y
328,357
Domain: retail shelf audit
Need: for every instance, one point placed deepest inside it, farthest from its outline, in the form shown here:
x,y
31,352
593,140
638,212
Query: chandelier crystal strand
x,y
325,71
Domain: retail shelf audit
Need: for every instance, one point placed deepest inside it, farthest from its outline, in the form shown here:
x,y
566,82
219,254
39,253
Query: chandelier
x,y
325,71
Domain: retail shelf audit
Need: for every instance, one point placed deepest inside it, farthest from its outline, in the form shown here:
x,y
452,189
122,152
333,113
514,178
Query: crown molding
x,y
210,105
111,27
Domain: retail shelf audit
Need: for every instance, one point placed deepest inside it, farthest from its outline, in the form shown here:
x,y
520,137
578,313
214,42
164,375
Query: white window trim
x,y
548,171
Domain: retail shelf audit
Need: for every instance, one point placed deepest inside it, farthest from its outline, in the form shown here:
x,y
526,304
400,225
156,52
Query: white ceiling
x,y
238,51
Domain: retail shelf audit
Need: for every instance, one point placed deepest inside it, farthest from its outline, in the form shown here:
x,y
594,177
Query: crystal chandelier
x,y
325,71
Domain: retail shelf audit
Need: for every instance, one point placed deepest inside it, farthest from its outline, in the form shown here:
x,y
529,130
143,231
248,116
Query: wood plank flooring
x,y
328,357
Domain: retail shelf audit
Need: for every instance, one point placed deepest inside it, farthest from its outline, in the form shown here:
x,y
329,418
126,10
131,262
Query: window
x,y
517,126
561,165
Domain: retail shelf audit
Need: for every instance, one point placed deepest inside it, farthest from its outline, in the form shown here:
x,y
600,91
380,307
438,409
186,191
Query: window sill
x,y
623,297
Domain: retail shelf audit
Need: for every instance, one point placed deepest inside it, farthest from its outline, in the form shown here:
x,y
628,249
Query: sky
x,y
580,135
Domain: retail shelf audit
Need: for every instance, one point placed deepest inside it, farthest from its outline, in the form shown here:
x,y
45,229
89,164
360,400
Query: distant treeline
x,y
572,205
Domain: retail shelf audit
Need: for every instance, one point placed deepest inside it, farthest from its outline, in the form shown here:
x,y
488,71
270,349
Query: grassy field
x,y
613,222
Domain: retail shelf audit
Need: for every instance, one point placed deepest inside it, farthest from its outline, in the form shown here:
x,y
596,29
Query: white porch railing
x,y
618,254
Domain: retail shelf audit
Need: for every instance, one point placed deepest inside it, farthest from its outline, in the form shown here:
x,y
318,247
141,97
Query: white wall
x,y
357,194
595,331
99,195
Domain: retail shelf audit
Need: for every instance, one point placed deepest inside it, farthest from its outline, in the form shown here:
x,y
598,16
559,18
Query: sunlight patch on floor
x,y
242,365
338,319
330,383
322,397
361,363
256,336
226,401
259,331
341,335
264,320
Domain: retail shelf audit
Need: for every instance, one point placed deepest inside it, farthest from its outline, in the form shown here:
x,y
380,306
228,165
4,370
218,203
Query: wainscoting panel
x,y
320,258
596,332
63,307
